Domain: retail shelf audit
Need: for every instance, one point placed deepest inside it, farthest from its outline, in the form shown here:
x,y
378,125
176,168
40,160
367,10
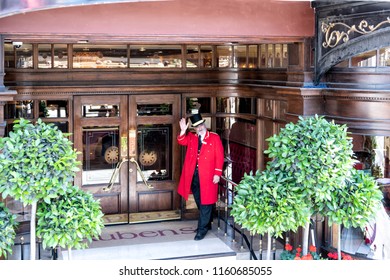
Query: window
x,y
367,59
252,56
224,56
155,56
239,57
236,105
192,57
24,56
99,56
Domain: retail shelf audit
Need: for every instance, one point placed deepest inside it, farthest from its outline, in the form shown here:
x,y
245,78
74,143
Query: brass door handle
x,y
140,172
115,174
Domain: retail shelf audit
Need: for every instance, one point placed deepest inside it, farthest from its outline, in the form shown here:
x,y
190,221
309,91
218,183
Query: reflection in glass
x,y
154,152
206,56
278,56
24,56
367,59
19,109
100,154
384,57
53,109
156,56
224,56
9,55
252,56
192,57
270,55
99,56
263,56
44,56
60,56
239,141
236,105
154,109
101,111
198,104
239,57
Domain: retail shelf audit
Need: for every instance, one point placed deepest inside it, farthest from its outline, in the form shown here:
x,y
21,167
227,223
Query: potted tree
x,y
7,230
70,220
316,159
266,203
37,163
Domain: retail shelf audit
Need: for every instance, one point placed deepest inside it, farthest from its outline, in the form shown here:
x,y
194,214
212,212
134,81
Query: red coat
x,y
211,159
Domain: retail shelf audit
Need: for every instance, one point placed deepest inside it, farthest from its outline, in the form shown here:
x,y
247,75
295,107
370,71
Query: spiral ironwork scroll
x,y
334,37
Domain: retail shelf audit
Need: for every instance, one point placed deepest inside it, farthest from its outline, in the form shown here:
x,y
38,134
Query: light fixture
x,y
82,41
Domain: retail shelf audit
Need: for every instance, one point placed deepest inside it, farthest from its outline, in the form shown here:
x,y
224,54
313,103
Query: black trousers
x,y
205,210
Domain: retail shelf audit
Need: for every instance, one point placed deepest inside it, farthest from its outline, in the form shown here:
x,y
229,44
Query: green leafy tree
x,y
318,155
7,230
312,165
37,163
354,204
70,220
266,203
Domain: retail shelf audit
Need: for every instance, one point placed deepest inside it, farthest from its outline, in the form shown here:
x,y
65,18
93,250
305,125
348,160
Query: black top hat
x,y
196,120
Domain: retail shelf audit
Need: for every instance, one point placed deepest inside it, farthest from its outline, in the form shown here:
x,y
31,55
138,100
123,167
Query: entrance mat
x,y
142,217
152,241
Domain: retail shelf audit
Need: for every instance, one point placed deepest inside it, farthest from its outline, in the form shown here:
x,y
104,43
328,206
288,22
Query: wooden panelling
x,y
155,201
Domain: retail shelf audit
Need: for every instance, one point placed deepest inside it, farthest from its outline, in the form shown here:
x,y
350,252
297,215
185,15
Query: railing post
x,y
22,248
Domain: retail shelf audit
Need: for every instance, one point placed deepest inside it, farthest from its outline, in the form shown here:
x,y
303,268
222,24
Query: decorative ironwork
x,y
334,37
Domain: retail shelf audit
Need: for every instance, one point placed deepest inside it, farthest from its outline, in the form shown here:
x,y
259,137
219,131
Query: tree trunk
x,y
339,241
32,231
69,253
305,239
269,241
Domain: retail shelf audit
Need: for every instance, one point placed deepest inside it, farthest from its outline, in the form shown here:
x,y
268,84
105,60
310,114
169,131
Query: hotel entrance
x,y
130,158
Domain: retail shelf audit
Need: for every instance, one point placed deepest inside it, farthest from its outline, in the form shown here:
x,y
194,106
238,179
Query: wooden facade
x,y
309,84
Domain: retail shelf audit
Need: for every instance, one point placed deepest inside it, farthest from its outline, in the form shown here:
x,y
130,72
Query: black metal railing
x,y
226,192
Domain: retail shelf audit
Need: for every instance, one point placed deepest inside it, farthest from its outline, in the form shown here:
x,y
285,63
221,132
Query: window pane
x,y
384,57
239,56
270,55
154,152
154,109
236,105
206,56
224,56
9,56
24,56
285,56
100,154
156,56
263,55
100,111
239,141
44,56
252,56
192,57
367,59
198,104
19,109
53,109
278,56
99,56
60,56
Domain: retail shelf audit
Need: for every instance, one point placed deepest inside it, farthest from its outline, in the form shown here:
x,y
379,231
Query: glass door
x,y
128,154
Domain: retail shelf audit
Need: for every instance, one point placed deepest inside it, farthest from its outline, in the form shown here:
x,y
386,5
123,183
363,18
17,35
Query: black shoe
x,y
200,236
